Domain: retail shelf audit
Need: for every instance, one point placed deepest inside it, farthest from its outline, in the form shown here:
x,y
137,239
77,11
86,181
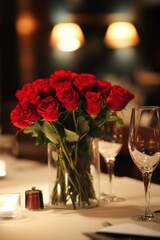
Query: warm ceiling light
x,y
67,37
121,35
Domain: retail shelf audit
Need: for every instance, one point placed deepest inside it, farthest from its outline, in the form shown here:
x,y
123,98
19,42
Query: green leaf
x,y
115,118
41,139
54,155
120,121
71,136
101,118
83,125
33,129
50,132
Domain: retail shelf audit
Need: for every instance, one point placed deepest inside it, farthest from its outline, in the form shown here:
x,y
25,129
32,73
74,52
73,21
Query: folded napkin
x,y
130,229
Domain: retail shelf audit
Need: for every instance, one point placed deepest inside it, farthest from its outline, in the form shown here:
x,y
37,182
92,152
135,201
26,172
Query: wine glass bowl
x,y
110,145
144,148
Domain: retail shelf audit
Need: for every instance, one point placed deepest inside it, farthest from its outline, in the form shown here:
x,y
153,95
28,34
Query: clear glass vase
x,y
74,181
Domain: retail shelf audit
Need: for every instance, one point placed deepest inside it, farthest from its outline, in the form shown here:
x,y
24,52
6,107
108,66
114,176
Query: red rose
x,y
93,102
103,86
20,93
62,76
67,95
22,116
118,98
28,95
16,117
43,87
48,109
25,88
85,82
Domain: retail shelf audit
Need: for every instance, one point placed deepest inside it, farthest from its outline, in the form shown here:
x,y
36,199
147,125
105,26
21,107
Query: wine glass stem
x,y
110,170
147,185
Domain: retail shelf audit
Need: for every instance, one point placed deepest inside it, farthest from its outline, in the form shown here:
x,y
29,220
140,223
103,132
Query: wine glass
x,y
110,145
144,148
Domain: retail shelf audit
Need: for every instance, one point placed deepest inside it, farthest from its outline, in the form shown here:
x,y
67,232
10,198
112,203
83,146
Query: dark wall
x,y
8,50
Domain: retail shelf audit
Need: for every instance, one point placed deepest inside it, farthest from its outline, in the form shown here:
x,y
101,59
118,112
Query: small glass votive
x,y
9,149
10,205
3,170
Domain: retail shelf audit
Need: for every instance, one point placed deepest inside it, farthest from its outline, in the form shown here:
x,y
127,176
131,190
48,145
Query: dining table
x,y
58,224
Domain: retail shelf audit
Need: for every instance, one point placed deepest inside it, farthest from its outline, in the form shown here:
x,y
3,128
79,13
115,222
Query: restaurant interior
x,y
28,51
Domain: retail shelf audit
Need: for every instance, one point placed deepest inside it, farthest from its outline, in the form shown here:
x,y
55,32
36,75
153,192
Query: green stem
x,y
61,143
78,184
67,155
75,122
76,129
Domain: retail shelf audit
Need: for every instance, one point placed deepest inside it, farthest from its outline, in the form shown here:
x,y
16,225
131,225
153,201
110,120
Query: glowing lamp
x,y
121,35
67,37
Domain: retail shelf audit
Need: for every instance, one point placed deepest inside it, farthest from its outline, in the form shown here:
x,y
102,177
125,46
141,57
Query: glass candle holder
x,y
10,205
3,171
8,153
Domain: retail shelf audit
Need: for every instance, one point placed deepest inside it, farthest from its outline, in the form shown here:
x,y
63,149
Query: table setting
x,y
52,223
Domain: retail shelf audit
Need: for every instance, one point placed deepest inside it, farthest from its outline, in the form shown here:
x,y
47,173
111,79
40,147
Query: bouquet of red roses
x,y
54,99
68,109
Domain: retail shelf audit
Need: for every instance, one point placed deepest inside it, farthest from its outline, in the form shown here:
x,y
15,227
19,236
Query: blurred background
x,y
30,50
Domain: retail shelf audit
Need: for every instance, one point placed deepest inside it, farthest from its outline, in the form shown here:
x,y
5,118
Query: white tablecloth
x,y
69,224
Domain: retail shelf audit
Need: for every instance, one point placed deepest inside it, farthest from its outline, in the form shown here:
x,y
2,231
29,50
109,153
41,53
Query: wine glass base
x,y
106,198
144,218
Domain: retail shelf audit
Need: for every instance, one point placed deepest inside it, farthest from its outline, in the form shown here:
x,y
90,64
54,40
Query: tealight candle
x,y
9,205
2,168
